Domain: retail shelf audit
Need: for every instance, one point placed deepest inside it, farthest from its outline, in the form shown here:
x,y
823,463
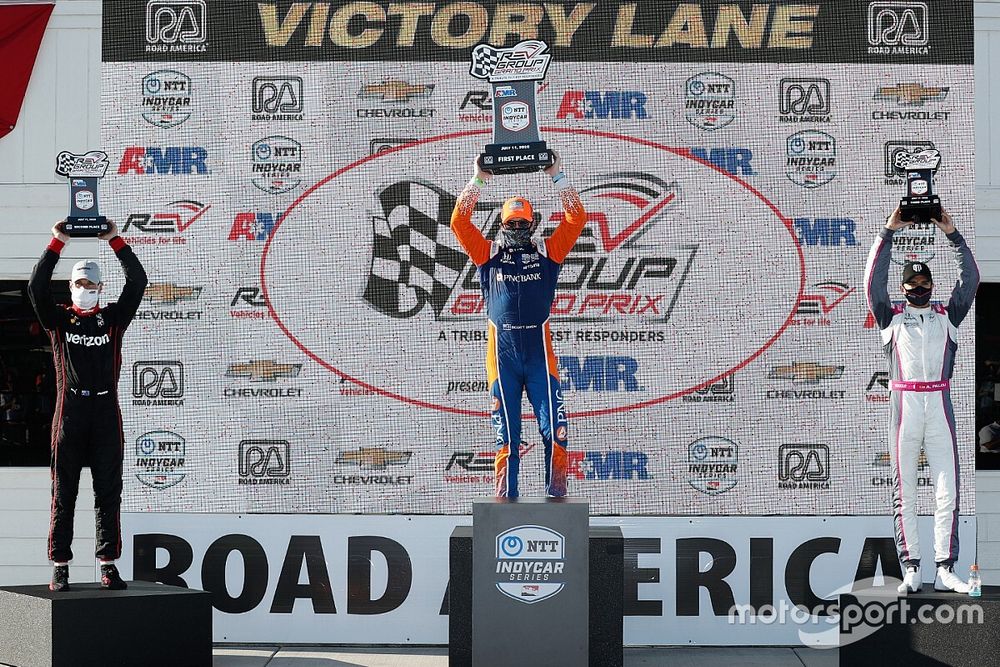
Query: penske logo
x,y
263,370
87,341
169,293
378,458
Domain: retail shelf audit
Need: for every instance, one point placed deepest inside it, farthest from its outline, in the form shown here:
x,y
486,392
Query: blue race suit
x,y
519,286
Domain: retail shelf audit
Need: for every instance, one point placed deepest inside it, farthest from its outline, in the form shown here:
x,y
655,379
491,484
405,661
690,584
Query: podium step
x,y
921,629
148,624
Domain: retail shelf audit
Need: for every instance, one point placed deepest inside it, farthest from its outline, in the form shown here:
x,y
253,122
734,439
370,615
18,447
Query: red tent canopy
x,y
21,30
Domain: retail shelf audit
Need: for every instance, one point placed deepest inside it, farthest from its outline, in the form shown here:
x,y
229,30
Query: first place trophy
x,y
920,204
513,73
83,172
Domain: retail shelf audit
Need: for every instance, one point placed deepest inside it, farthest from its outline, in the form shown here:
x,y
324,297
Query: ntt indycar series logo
x,y
277,164
531,563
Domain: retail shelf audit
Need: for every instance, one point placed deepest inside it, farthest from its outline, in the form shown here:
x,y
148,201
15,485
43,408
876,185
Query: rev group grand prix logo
x,y
531,563
416,264
621,293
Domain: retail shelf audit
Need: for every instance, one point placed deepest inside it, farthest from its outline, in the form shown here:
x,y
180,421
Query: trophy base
x,y
516,158
77,227
920,209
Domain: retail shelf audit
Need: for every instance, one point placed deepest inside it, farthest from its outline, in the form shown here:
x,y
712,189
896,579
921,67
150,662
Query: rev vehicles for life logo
x,y
158,383
877,390
598,104
160,458
276,98
531,563
804,467
898,28
378,462
166,98
176,26
811,158
804,100
710,100
164,226
912,101
248,303
816,305
276,164
395,95
171,160
713,463
264,462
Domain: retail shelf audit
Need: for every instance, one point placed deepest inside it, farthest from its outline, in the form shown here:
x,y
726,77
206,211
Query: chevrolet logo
x,y
394,90
169,293
379,458
263,370
911,94
806,372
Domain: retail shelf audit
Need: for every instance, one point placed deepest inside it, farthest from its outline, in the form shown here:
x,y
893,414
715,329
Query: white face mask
x,y
84,298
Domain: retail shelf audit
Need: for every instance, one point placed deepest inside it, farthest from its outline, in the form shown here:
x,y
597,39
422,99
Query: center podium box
x,y
529,583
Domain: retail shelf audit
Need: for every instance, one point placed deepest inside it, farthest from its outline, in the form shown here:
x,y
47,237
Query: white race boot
x,y
947,580
911,581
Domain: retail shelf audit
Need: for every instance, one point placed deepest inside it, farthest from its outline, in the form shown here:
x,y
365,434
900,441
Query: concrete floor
x,y
305,656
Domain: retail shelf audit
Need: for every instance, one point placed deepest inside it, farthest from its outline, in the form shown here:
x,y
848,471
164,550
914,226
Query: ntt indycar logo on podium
x,y
530,563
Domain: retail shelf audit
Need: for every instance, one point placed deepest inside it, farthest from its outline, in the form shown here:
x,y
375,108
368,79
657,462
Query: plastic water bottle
x,y
975,582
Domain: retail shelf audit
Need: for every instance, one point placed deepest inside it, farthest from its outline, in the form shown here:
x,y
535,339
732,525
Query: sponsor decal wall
x,y
313,338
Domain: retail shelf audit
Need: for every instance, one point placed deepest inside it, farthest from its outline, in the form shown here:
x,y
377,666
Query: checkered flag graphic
x,y
416,260
94,163
484,61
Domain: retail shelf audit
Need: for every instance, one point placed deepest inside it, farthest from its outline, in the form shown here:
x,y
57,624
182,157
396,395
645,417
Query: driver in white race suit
x,y
920,340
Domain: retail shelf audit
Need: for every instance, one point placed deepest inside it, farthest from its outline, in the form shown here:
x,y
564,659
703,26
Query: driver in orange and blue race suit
x,y
518,277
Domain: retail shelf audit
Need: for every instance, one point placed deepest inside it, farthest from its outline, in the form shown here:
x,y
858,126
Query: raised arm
x,y
877,271
471,239
565,235
135,276
40,284
965,288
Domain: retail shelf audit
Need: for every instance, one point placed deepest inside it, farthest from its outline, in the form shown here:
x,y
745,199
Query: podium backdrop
x,y
313,340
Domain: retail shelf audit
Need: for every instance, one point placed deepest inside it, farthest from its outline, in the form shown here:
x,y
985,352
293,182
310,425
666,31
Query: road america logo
x,y
166,98
530,563
897,28
276,164
811,158
174,26
710,100
276,98
515,116
804,100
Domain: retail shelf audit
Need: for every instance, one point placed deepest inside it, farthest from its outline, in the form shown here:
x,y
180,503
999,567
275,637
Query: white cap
x,y
86,268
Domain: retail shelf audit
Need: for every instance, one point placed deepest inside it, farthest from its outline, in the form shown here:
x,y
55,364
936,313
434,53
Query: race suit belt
x,y
908,385
76,391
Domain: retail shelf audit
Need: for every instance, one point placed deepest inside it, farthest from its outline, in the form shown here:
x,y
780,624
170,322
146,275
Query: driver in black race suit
x,y
87,424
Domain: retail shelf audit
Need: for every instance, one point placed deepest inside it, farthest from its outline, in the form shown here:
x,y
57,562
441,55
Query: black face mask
x,y
918,296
